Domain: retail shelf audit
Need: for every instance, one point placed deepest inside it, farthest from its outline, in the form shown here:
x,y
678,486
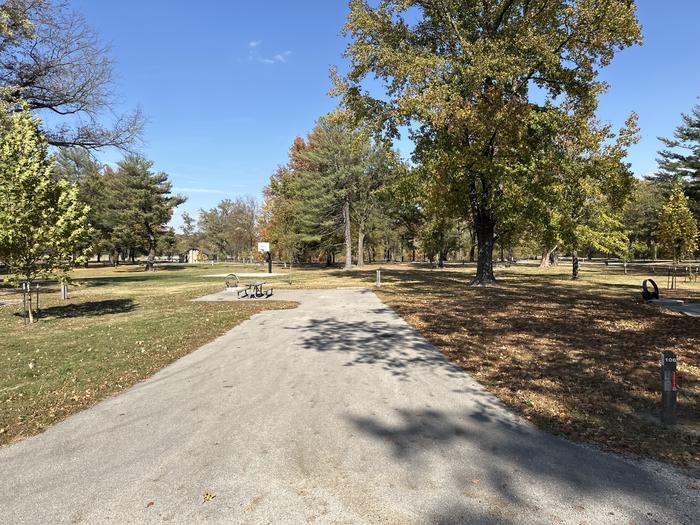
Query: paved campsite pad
x,y
334,412
691,309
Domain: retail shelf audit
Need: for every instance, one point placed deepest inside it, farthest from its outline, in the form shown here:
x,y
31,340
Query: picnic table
x,y
256,289
250,290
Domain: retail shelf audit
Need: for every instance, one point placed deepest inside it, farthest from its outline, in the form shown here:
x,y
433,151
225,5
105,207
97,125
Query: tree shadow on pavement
x,y
580,359
396,348
505,471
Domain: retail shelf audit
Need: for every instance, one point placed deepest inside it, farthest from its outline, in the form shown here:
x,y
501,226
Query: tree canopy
x,y
51,61
467,77
677,228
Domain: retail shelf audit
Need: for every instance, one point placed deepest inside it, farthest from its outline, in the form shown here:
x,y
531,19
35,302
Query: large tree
x,y
477,80
231,228
44,227
333,187
52,62
78,166
680,158
677,232
640,217
141,204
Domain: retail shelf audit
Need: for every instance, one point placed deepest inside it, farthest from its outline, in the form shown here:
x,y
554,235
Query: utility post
x,y
669,387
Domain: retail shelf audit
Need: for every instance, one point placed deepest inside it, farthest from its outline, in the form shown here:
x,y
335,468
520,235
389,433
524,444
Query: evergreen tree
x,y
335,161
76,165
640,216
680,159
141,205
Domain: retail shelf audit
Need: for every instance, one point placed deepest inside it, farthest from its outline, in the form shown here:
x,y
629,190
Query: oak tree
x,y
471,78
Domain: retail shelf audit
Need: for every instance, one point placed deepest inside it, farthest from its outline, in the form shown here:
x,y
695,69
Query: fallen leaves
x,y
588,373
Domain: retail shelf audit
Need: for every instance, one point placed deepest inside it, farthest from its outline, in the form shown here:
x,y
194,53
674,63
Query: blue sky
x,y
226,85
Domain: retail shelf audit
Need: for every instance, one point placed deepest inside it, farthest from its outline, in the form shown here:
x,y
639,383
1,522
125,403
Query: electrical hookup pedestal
x,y
669,388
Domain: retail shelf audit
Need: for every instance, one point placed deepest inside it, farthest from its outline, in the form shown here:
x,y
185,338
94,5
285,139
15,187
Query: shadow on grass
x,y
88,309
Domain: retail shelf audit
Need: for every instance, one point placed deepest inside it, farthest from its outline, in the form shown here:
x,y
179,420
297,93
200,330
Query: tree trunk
x,y
29,300
441,251
150,264
413,255
484,264
348,238
484,224
574,267
361,243
546,260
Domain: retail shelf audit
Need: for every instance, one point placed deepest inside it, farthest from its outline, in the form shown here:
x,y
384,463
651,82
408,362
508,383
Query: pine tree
x,y
141,204
680,160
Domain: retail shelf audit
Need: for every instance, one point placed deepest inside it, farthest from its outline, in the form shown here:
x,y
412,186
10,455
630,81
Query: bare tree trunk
x,y
29,300
574,266
546,260
361,243
348,238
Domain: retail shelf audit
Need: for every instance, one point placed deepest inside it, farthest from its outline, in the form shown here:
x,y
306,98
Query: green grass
x,y
119,327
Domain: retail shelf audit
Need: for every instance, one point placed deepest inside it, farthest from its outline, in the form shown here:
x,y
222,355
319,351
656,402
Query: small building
x,y
195,255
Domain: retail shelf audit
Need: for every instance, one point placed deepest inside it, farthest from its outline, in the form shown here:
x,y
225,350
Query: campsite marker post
x,y
669,387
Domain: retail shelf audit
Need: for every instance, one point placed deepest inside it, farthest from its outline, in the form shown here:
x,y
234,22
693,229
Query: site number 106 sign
x,y
263,246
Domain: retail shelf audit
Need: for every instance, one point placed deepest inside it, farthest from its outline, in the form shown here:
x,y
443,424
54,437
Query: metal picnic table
x,y
253,290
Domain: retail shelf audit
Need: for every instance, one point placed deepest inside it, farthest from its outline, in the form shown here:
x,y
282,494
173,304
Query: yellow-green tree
x,y
44,228
677,232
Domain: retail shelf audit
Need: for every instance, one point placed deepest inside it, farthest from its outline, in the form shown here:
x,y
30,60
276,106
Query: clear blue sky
x,y
227,85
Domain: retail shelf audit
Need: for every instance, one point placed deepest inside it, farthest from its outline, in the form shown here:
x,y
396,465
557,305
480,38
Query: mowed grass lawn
x,y
119,327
